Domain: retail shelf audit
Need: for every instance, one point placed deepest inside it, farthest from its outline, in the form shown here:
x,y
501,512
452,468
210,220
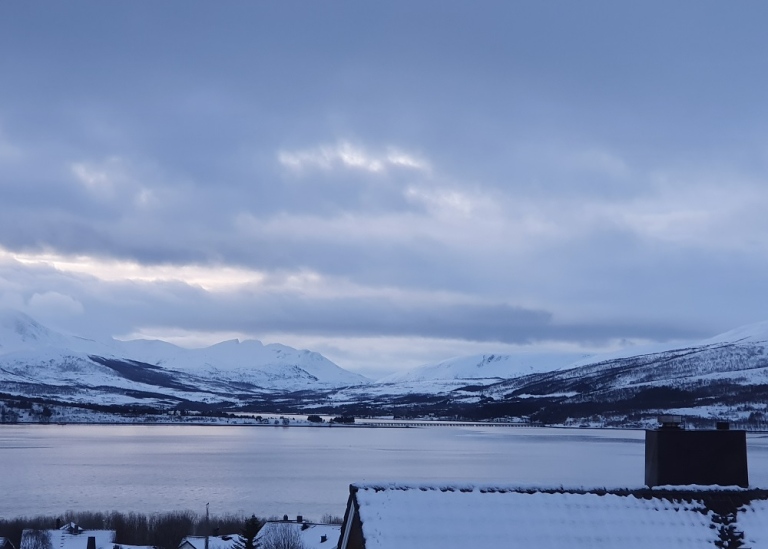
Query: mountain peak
x,y
19,330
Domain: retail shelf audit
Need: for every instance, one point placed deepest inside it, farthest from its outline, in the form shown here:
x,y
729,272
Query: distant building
x,y
311,536
69,536
214,542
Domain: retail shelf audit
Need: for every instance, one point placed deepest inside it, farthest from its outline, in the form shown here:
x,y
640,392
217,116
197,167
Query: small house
x,y
214,542
308,535
5,543
69,536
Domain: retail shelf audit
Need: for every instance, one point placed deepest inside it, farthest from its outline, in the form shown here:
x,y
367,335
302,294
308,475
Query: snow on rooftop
x,y
214,542
751,519
426,518
311,535
69,537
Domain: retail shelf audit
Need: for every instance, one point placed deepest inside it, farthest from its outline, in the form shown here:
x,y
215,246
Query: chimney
x,y
299,519
91,542
674,456
58,524
323,538
285,518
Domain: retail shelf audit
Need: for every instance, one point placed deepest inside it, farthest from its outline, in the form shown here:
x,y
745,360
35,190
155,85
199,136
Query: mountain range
x,y
725,376
35,360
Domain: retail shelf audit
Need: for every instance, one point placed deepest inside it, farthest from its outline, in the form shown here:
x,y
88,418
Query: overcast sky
x,y
387,183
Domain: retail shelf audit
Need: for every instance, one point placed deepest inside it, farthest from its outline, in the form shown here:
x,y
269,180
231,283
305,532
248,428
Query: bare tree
x,y
281,536
36,539
331,519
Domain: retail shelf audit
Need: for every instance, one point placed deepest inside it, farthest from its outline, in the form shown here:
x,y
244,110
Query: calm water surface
x,y
296,470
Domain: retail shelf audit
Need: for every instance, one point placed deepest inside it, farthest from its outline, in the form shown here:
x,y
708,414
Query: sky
x,y
387,183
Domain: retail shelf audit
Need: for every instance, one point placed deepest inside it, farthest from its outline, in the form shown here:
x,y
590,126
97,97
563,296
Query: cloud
x,y
112,180
8,151
345,155
444,202
600,162
48,304
356,181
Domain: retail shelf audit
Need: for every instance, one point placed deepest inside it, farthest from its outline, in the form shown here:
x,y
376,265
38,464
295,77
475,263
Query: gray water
x,y
296,470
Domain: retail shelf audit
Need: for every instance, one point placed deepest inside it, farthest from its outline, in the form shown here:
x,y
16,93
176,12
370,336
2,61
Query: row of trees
x,y
162,530
339,419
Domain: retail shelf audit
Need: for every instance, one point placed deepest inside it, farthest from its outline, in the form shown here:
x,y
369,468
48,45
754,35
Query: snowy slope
x,y
37,360
489,367
738,357
274,366
735,358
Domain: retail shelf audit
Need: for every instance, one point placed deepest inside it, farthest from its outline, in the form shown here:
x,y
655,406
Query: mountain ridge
x,y
722,376
32,353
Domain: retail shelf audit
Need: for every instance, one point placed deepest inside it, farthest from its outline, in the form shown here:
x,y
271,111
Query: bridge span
x,y
406,423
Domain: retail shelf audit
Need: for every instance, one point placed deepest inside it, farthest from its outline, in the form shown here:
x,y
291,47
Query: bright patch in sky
x,y
209,277
348,156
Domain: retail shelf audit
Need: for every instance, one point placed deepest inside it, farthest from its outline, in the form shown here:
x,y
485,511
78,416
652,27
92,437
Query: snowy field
x,y
297,471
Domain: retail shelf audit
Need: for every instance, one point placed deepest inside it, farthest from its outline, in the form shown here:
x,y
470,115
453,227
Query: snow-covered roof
x,y
313,536
4,541
214,542
426,517
70,536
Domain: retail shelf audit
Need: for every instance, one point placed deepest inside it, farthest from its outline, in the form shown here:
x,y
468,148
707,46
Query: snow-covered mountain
x,y
272,366
35,360
739,355
723,376
494,367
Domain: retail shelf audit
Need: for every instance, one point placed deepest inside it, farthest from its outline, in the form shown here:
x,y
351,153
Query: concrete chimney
x,y
675,456
91,542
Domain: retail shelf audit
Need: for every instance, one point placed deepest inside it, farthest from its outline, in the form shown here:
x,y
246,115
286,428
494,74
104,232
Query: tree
x,y
170,528
36,539
248,533
281,536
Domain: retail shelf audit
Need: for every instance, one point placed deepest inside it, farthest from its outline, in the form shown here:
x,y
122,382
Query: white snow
x,y
751,519
214,542
274,365
70,536
30,352
429,518
755,333
493,367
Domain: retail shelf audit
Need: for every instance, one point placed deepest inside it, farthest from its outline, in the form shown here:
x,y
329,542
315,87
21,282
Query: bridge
x,y
445,424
